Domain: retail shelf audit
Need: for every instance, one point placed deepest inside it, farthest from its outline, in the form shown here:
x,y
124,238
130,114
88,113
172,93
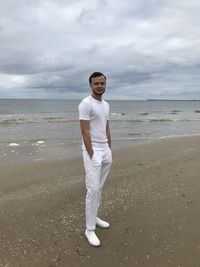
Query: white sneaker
x,y
102,223
92,238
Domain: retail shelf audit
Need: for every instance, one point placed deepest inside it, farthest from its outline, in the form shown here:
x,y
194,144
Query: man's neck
x,y
97,97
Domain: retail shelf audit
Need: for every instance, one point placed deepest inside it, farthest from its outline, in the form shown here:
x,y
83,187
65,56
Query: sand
x,y
151,200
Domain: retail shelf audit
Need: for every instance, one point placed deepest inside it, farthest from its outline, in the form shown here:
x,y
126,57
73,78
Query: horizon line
x,y
148,99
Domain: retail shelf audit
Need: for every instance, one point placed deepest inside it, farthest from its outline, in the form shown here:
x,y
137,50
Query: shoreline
x,y
26,152
150,198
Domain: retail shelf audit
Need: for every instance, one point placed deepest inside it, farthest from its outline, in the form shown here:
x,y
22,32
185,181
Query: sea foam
x,y
13,144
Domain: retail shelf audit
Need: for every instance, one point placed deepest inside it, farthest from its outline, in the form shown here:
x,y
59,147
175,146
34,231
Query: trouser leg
x,y
92,171
105,168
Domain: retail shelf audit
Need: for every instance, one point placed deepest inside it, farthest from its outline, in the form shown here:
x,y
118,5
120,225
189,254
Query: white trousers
x,y
96,172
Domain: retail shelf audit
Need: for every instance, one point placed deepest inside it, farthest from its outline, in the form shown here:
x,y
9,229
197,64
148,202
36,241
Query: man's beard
x,y
98,93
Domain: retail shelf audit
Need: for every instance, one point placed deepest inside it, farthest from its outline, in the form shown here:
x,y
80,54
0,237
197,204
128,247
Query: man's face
x,y
98,85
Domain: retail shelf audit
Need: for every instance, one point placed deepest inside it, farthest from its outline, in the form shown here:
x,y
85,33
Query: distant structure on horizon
x,y
173,99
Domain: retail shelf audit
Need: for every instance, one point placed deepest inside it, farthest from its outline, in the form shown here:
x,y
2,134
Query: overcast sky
x,y
146,48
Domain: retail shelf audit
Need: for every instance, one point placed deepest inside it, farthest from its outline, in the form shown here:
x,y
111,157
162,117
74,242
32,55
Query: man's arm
x,y
85,130
108,133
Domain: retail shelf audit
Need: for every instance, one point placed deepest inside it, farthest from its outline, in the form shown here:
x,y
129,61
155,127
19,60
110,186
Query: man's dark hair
x,y
96,74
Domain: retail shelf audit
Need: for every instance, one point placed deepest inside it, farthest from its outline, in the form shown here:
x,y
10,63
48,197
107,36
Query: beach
x,y
151,200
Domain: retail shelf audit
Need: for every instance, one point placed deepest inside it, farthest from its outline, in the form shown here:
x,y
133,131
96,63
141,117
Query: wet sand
x,y
151,200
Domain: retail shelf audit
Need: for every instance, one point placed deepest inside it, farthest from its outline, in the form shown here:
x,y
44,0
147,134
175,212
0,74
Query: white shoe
x,y
102,223
92,238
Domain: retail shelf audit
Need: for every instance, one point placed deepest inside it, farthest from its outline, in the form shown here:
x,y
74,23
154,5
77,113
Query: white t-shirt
x,y
97,112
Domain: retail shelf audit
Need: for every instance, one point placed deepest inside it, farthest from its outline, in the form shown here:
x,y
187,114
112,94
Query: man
x,y
97,155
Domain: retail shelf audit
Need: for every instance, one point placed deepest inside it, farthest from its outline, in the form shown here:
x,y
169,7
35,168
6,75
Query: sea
x,y
42,130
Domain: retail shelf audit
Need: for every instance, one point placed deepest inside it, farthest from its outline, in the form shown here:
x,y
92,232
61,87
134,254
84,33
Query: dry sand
x,y
151,200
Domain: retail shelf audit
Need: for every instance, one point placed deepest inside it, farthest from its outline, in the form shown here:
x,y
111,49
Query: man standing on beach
x,y
97,155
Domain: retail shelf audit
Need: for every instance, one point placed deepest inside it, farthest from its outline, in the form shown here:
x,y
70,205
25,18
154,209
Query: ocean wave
x,y
144,114
114,119
10,121
14,144
176,111
131,138
177,135
174,120
36,120
154,120
167,120
154,137
117,114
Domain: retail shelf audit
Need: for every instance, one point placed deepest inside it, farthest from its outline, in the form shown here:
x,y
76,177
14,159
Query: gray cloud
x,y
146,48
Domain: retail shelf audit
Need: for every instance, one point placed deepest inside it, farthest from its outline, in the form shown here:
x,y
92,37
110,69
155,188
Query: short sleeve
x,y
84,111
